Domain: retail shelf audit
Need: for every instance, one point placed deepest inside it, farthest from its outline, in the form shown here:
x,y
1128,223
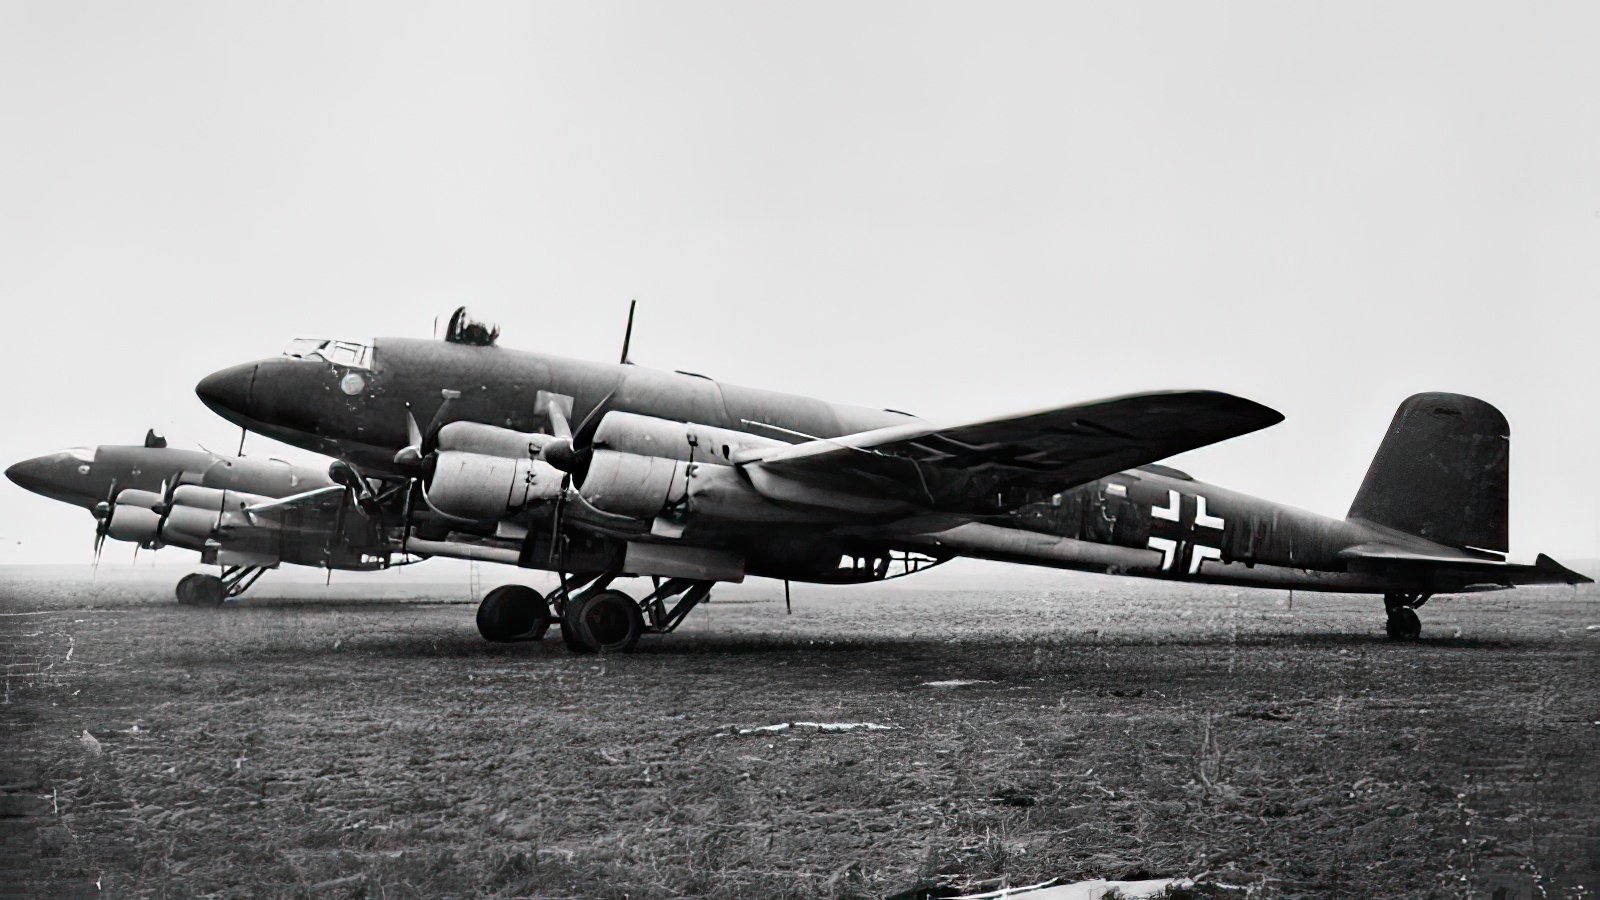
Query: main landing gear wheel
x,y
185,588
1403,624
513,612
607,622
196,589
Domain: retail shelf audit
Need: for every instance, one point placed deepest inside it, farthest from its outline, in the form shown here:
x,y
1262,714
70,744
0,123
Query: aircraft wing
x,y
996,465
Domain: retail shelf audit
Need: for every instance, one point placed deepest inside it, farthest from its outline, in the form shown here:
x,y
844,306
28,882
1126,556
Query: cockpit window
x,y
81,454
344,353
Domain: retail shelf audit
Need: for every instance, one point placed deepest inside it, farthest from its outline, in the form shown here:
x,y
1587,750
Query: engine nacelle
x,y
189,527
195,513
628,484
133,518
482,487
627,432
491,440
647,487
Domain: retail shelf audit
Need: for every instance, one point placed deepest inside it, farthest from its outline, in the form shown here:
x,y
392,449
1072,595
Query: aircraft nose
x,y
30,474
53,475
229,392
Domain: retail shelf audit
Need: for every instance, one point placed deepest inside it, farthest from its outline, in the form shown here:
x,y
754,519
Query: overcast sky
x,y
957,210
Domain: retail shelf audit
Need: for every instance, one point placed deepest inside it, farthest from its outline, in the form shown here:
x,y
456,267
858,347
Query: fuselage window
x,y
344,353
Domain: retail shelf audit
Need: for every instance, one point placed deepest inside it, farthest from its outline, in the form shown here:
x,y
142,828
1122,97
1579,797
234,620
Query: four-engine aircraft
x,y
243,515
599,471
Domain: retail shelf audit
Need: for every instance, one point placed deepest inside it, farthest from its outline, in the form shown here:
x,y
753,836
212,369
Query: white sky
x,y
955,210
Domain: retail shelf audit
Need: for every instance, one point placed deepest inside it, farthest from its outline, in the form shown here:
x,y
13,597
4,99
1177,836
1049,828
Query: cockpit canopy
x,y
351,354
463,329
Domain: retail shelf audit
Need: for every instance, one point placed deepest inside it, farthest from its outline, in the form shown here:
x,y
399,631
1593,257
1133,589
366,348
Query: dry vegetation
x,y
283,747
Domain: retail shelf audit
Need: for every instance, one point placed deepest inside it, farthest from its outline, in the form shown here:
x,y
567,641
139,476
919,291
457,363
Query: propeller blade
x,y
571,451
405,533
338,527
413,433
583,438
430,438
555,520
102,512
558,421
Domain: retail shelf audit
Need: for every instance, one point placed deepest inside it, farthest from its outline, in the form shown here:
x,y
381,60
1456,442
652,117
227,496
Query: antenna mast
x,y
627,336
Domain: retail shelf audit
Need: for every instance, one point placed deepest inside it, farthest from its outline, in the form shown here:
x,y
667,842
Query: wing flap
x,y
996,465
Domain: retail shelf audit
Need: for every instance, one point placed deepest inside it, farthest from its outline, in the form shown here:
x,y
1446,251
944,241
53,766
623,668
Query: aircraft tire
x,y
513,612
609,622
207,590
185,589
1403,624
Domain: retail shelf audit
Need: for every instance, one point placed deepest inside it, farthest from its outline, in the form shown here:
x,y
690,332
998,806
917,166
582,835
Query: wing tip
x,y
1257,415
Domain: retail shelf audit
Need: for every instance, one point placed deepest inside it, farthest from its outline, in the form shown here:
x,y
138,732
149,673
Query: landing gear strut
x,y
592,617
197,589
1403,624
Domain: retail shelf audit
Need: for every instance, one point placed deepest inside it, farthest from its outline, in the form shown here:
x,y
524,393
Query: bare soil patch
x,y
1091,728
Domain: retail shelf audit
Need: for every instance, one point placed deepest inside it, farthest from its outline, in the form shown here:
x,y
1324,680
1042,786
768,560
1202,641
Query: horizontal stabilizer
x,y
997,465
1543,571
1389,551
1555,569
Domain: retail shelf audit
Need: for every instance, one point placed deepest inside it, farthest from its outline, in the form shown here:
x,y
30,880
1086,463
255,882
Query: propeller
x,y
102,525
419,443
356,487
572,450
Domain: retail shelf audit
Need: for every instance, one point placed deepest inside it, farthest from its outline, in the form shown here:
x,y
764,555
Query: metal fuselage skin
x,y
86,477
1143,523
319,405
1164,525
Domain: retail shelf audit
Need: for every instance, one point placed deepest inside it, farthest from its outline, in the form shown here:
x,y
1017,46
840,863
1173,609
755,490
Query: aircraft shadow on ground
x,y
397,640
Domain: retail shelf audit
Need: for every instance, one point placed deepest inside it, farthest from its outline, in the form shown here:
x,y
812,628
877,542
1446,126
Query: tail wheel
x,y
1403,624
513,612
608,622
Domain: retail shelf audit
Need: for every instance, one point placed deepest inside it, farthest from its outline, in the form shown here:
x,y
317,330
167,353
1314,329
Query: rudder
x,y
1442,473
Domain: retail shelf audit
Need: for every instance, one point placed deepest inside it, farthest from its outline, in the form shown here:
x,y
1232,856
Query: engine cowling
x,y
627,432
196,512
482,487
134,519
628,484
491,440
647,487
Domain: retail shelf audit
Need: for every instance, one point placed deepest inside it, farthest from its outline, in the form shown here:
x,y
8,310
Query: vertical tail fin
x,y
1442,473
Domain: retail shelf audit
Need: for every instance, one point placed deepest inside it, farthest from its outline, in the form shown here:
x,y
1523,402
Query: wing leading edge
x,y
996,465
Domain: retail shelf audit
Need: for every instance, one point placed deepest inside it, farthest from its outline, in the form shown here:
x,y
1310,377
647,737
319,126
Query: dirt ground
x,y
295,744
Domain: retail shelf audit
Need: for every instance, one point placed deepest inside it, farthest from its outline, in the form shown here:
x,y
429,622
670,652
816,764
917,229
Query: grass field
x,y
297,745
